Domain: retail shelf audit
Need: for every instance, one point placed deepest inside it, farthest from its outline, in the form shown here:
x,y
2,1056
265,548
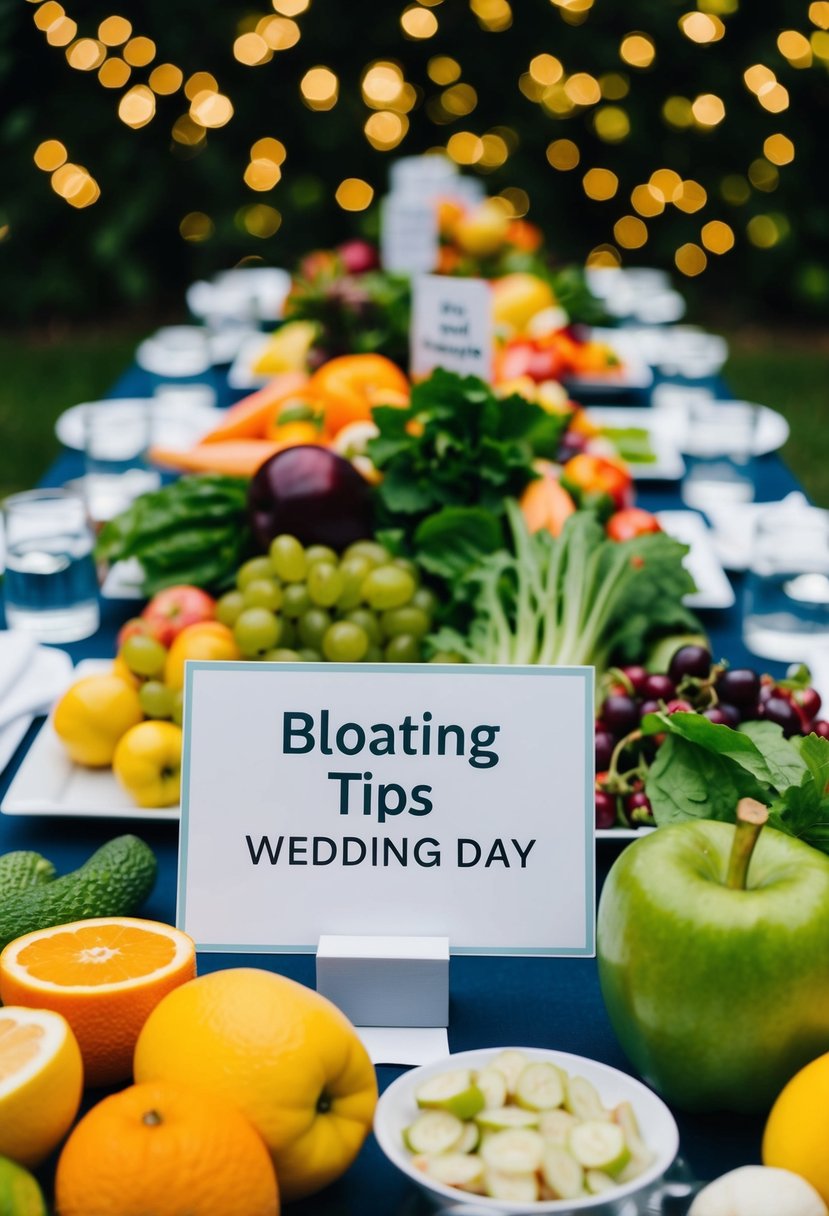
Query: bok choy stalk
x,y
576,599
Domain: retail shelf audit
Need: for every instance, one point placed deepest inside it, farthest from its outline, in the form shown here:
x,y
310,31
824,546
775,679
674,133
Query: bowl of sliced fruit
x,y
526,1130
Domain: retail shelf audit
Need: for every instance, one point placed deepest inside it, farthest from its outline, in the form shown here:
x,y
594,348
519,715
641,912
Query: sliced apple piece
x,y
556,1125
451,1091
597,1182
518,1151
562,1174
470,1139
504,1117
598,1145
435,1131
493,1085
540,1087
515,1188
511,1064
582,1099
457,1169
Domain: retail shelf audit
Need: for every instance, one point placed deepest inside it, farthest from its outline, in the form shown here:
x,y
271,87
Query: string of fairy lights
x,y
126,62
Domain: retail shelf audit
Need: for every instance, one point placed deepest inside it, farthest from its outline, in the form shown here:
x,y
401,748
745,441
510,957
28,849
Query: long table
x,y
494,1002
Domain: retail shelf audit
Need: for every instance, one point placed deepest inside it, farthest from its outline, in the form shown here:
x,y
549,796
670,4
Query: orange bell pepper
x,y
350,385
545,503
600,475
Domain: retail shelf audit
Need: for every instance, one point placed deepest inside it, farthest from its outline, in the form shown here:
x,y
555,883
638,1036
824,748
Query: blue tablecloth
x,y
494,1001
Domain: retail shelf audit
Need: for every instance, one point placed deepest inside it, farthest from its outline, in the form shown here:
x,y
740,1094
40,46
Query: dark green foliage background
x,y
126,252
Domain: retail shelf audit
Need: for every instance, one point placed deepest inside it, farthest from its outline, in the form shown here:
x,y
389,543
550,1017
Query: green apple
x,y
715,973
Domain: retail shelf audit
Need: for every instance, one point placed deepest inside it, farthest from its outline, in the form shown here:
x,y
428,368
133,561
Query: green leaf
x,y
708,736
686,782
814,752
450,542
784,760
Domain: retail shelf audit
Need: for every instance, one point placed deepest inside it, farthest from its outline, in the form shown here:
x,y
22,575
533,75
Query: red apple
x,y
174,608
138,627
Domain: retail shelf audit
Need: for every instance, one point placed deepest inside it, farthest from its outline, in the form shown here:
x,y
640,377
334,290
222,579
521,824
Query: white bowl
x,y
397,1109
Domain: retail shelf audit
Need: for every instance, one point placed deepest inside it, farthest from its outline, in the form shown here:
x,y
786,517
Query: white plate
x,y
713,588
733,526
396,1109
675,400
173,428
634,372
241,374
668,465
622,833
177,351
48,783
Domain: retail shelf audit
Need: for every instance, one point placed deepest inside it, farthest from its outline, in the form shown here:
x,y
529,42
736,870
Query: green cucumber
x,y
114,881
23,869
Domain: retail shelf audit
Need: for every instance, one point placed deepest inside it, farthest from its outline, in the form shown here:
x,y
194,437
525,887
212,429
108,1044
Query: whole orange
x,y
287,1057
168,1150
206,640
797,1130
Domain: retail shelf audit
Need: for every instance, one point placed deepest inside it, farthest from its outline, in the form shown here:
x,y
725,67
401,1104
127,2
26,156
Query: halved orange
x,y
105,976
41,1078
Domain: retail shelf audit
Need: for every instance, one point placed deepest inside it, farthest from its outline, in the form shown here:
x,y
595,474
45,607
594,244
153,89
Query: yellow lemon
x,y
147,762
516,298
797,1130
41,1077
287,1057
92,715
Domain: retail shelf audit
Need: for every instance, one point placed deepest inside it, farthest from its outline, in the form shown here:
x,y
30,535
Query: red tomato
x,y
527,358
633,521
599,475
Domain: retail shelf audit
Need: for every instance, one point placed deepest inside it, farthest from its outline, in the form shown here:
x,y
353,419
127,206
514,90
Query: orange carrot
x,y
235,457
250,417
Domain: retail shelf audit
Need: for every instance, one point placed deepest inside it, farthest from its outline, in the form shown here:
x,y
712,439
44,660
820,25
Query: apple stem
x,y
751,815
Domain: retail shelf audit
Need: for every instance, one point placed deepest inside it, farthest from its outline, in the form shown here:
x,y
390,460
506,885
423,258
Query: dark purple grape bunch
x,y
693,683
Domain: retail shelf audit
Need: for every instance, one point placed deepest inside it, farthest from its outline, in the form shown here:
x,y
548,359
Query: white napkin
x,y
16,654
44,678
31,679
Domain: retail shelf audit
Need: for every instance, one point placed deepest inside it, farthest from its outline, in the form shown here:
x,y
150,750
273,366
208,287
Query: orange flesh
x,y
94,955
18,1045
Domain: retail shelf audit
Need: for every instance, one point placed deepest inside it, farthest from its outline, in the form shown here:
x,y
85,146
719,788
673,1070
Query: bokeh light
x,y
600,184
50,155
319,88
114,31
717,236
690,259
638,50
354,194
137,107
563,154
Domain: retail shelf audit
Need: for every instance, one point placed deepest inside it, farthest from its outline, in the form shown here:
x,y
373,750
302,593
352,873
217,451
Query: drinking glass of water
x,y
720,441
117,436
787,585
51,589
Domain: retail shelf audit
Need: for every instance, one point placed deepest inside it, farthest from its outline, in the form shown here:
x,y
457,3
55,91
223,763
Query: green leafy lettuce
x,y
194,531
576,599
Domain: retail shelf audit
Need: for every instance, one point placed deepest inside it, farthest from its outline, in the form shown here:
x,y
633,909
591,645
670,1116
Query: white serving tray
x,y
48,783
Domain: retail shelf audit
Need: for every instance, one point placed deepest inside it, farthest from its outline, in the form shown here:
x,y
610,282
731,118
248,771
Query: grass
x,y
40,377
44,374
789,372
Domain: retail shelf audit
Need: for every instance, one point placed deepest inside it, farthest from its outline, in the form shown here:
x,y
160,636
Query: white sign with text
x,y
408,234
451,326
411,800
